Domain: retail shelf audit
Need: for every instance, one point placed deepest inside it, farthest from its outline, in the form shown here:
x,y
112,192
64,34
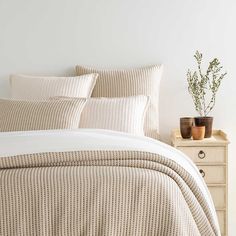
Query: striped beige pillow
x,y
24,87
40,115
131,82
119,114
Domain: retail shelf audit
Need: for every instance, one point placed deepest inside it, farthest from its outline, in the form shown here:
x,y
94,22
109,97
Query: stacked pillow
x,y
16,115
26,87
121,114
131,82
123,100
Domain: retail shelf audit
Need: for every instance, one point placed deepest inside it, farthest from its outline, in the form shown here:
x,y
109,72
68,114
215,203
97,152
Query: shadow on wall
x,y
4,87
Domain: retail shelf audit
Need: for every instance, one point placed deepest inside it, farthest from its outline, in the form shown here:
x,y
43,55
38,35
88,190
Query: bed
x,y
99,182
81,156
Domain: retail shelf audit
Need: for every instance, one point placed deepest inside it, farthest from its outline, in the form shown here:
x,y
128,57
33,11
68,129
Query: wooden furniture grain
x,y
211,157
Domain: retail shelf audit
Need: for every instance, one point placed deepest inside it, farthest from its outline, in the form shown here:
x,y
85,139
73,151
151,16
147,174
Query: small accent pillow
x,y
119,114
24,87
40,115
131,82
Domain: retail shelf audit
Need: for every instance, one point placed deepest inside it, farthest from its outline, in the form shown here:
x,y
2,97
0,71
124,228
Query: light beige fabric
x,y
119,114
100,193
131,82
18,115
24,87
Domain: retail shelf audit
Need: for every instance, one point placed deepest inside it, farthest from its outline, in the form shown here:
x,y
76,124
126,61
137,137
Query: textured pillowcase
x,y
131,82
119,114
40,115
25,87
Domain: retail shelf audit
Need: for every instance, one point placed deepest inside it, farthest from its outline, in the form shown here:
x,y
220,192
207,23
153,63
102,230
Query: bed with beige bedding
x,y
75,165
97,182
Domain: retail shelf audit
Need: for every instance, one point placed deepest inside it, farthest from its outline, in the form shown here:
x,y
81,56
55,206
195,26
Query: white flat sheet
x,y
15,143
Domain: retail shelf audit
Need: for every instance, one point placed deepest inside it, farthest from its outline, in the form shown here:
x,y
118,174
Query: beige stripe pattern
x,y
131,82
18,115
119,114
100,193
24,87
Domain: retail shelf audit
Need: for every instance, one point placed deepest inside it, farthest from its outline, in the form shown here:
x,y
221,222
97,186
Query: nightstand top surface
x,y
218,138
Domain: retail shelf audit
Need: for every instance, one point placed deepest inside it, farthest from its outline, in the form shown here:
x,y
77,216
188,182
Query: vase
x,y
206,121
186,124
198,132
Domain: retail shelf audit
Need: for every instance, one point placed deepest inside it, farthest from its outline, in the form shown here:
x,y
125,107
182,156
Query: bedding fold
x,y
100,193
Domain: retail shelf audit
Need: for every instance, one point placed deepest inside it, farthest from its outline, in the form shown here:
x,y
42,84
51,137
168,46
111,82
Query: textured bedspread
x,y
100,193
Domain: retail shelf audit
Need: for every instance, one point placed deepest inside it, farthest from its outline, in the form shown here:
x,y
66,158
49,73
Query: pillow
x,y
131,82
40,115
120,114
24,87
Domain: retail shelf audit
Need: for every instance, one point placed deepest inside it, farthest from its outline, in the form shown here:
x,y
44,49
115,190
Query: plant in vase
x,y
203,88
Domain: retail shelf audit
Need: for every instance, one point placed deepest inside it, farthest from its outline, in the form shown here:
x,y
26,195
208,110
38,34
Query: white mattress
x,y
15,143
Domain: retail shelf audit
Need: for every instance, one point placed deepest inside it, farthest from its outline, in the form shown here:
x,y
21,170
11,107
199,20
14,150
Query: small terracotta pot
x,y
206,121
186,124
198,132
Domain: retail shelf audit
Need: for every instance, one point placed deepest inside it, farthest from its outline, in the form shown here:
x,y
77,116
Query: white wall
x,y
51,36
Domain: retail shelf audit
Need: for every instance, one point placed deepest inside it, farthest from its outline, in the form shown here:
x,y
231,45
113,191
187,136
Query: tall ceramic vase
x,y
206,121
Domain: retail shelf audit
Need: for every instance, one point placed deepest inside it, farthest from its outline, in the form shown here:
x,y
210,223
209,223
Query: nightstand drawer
x,y
205,154
221,219
213,174
218,194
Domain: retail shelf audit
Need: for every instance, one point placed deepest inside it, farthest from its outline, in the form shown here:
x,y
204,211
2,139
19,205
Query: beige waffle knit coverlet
x,y
100,193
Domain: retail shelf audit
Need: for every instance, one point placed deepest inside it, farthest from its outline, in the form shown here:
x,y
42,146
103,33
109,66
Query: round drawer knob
x,y
202,173
201,154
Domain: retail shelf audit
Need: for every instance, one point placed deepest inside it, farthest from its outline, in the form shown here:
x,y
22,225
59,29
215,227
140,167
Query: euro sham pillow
x,y
131,82
24,87
119,114
16,115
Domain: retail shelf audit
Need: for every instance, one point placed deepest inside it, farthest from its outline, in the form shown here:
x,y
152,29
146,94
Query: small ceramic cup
x,y
186,124
198,132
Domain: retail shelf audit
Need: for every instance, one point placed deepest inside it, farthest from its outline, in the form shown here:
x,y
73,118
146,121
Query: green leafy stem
x,y
204,86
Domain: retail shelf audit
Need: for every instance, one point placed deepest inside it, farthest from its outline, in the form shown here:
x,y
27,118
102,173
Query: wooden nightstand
x,y
211,157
